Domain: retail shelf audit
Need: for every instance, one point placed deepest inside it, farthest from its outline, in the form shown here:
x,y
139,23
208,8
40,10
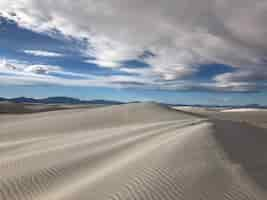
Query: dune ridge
x,y
141,151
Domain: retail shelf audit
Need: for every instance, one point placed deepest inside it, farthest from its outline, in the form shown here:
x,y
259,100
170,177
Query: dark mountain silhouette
x,y
60,100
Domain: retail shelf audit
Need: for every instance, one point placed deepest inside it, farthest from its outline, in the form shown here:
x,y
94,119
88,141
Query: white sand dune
x,y
130,152
23,108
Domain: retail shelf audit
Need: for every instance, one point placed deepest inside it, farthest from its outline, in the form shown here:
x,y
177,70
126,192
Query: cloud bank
x,y
173,37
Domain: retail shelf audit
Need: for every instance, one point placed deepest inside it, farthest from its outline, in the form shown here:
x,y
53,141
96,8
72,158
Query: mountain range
x,y
59,100
75,101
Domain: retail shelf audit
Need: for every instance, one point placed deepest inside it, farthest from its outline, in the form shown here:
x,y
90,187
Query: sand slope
x,y
136,151
23,108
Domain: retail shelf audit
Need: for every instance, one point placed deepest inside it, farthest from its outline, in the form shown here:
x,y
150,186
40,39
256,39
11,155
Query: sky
x,y
173,51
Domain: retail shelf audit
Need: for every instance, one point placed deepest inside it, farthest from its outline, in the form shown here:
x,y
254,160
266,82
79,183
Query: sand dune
x,y
137,151
26,108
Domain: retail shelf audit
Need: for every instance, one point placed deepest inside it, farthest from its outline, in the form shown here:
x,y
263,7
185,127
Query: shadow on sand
x,y
245,145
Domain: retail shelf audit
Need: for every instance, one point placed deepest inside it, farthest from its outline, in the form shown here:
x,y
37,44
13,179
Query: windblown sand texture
x,y
130,152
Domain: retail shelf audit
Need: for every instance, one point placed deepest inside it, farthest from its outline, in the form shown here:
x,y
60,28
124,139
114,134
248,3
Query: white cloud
x,y
42,69
104,63
43,53
181,34
16,66
11,65
137,71
244,75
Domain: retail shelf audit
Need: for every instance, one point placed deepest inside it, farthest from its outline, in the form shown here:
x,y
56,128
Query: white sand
x,y
243,110
128,152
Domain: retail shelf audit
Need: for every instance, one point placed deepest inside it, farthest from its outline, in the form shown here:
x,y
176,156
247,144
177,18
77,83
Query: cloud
x,y
245,75
43,53
20,67
8,67
137,71
15,72
180,34
11,65
42,69
104,63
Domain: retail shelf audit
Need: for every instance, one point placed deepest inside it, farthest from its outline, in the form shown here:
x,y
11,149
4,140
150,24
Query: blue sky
x,y
115,56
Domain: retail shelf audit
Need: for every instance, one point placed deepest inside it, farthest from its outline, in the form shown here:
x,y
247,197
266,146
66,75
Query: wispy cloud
x,y
43,53
104,63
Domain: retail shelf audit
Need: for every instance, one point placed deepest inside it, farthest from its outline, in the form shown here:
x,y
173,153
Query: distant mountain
x,y
2,99
23,100
60,100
